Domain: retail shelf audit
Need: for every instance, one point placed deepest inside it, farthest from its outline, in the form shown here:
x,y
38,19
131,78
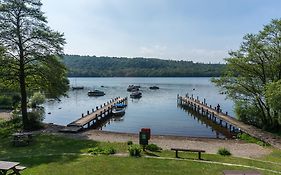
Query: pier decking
x,y
215,114
92,118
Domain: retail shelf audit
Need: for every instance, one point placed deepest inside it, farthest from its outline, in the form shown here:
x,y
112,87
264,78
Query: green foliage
x,y
9,127
135,150
153,147
37,99
224,152
129,142
273,96
100,150
251,139
252,76
6,102
35,119
86,66
30,52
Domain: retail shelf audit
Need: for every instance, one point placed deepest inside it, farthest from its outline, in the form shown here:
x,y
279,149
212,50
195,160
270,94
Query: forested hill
x,y
92,66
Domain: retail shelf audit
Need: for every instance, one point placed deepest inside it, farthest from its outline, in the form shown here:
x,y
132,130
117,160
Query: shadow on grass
x,y
45,149
148,153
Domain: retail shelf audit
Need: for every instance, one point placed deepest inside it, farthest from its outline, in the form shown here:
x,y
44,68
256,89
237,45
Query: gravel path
x,y
238,148
5,115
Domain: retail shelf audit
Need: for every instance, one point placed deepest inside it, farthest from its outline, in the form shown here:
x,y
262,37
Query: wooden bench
x,y
188,150
17,170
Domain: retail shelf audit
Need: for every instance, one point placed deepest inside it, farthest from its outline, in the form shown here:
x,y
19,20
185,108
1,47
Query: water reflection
x,y
156,109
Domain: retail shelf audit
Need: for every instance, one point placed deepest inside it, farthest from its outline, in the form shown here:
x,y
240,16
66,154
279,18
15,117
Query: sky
x,y
196,30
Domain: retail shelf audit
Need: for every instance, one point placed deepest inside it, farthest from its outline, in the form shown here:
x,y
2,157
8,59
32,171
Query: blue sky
x,y
197,30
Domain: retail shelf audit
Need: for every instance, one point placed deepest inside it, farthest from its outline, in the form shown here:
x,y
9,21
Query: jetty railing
x,y
215,113
94,116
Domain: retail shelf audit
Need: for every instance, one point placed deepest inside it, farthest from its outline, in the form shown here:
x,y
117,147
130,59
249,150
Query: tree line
x,y
92,66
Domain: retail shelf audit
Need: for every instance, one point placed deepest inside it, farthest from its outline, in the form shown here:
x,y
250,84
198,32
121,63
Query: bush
x,y
129,142
37,99
6,102
153,147
100,150
35,119
135,150
251,139
224,152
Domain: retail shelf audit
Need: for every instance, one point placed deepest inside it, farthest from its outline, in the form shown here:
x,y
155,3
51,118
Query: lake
x,y
157,109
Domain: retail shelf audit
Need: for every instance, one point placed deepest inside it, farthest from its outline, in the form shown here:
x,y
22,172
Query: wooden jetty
x,y
94,117
223,119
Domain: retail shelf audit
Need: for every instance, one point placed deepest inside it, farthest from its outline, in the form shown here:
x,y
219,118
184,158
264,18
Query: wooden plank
x,y
265,136
88,118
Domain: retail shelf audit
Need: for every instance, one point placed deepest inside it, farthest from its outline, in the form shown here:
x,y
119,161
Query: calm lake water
x,y
157,109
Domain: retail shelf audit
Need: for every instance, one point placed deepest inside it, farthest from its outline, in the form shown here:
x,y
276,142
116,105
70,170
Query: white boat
x,y
118,109
96,93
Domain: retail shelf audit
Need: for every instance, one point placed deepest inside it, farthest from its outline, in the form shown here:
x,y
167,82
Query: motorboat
x,y
119,109
96,93
153,87
136,94
77,87
132,88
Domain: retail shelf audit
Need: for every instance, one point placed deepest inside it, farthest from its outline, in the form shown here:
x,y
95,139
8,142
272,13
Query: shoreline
x,y
237,147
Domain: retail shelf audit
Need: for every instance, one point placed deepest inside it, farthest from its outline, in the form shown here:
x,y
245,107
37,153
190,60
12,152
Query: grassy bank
x,y
50,154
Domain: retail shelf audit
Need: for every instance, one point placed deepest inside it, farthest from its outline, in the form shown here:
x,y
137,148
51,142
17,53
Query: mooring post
x,y
204,101
192,96
82,115
93,110
88,112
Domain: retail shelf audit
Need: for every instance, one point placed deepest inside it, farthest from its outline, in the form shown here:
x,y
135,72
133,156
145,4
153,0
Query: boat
x,y
77,87
119,109
136,94
96,93
153,87
132,88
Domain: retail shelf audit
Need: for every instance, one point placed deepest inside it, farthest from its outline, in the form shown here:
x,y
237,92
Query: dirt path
x,y
5,115
237,148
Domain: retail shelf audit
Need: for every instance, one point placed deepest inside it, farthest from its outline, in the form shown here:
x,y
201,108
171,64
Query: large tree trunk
x,y
23,94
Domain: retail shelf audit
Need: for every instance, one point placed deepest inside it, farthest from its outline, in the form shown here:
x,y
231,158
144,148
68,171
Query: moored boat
x,y
136,94
77,87
132,88
119,109
153,87
96,93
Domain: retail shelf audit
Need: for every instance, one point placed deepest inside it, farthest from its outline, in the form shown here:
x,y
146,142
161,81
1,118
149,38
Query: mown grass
x,y
46,156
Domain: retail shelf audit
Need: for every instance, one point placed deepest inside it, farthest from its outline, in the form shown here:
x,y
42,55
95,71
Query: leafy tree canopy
x,y
31,52
252,77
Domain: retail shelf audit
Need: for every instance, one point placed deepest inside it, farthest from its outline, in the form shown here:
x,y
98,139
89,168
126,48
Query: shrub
x,y
224,152
251,139
153,147
37,99
135,150
129,142
6,102
35,119
100,150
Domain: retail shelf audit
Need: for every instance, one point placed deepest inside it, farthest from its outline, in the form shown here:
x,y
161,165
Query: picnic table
x,y
6,166
22,138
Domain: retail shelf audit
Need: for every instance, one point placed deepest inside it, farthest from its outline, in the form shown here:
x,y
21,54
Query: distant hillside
x,y
91,66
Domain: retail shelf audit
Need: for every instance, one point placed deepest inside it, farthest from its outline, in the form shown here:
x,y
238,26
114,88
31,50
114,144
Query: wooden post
x,y
204,101
88,112
82,115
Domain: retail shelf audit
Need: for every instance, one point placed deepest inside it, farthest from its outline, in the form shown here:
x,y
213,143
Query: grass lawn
x,y
46,155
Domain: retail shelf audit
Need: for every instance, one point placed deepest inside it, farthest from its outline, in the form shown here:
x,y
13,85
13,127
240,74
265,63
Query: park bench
x,y
188,150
